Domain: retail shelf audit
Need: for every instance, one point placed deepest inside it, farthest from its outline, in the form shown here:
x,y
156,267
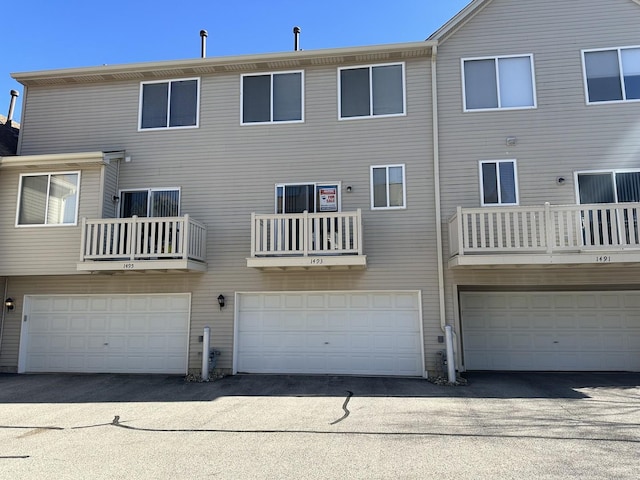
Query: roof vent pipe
x,y
296,39
12,104
203,43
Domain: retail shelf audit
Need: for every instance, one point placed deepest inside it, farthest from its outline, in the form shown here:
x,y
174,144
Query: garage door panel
x,y
559,331
103,333
333,332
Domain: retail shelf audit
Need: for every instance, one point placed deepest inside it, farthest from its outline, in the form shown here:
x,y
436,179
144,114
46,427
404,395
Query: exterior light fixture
x,y
221,301
9,303
349,189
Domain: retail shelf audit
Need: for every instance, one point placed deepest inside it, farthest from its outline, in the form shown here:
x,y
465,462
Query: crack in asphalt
x,y
117,423
344,407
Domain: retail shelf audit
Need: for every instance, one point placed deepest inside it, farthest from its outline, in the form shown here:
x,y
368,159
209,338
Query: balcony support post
x,y
548,220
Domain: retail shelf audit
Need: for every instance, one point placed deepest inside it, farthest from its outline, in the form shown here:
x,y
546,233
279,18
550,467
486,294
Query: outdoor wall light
x,y
9,303
349,189
221,301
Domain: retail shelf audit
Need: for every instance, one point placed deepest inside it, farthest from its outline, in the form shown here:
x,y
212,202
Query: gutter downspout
x,y
4,310
451,367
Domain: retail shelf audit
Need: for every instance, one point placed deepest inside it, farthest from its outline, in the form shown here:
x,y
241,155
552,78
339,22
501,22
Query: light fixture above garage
x,y
221,301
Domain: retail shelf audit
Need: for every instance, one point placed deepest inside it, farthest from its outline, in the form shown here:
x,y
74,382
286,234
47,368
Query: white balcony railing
x,y
144,238
306,234
545,229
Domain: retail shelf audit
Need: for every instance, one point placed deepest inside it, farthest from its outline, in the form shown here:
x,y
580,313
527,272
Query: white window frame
x,y
149,191
618,50
315,186
182,127
404,187
272,121
515,182
612,171
49,174
371,67
496,58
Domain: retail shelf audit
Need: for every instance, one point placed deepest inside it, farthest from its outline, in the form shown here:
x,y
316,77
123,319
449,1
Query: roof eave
x,y
242,63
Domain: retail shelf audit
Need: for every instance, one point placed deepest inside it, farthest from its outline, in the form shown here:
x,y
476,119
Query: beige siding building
x,y
539,102
336,211
297,186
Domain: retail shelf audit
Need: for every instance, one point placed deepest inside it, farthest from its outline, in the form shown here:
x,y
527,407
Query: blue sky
x,y
52,34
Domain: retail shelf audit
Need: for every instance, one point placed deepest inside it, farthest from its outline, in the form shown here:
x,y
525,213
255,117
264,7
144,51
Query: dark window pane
x,y
134,203
380,187
184,103
507,182
354,92
628,186
287,97
154,105
33,200
256,99
631,69
299,198
387,90
480,84
489,183
603,76
596,188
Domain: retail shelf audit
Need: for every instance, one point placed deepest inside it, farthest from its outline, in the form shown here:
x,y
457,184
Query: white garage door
x,y
358,333
105,333
562,331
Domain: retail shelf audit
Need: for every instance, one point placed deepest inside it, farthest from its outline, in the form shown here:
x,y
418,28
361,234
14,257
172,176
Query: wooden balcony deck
x,y
142,244
545,235
307,240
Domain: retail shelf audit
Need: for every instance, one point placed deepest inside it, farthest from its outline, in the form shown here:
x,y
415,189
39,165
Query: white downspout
x,y
206,341
4,309
451,367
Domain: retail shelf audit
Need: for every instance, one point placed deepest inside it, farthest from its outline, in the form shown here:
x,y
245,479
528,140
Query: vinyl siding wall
x,y
42,250
561,136
226,171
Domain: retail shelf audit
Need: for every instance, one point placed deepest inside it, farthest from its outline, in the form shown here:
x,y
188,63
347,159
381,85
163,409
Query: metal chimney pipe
x,y
203,43
12,104
296,39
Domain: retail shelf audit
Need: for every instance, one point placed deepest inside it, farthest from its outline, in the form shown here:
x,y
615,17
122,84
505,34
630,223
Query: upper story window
x,y
498,182
272,97
150,202
498,83
372,91
48,199
388,187
169,104
612,186
612,75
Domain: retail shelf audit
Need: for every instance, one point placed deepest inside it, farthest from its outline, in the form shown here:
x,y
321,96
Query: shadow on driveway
x,y
59,388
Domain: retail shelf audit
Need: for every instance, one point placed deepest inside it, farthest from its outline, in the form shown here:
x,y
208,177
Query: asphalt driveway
x,y
498,426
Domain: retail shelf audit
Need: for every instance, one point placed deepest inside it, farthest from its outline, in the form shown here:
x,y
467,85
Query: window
x,y
498,185
608,187
48,199
151,202
309,197
498,83
388,187
612,75
172,104
371,91
273,97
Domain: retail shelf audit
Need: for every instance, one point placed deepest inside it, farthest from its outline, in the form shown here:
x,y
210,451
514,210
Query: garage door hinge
x,y
25,318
